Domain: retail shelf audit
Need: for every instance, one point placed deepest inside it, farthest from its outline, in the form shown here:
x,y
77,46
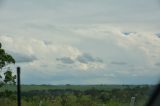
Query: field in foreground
x,y
76,95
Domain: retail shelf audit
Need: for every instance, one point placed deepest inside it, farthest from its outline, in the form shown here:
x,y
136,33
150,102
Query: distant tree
x,y
6,75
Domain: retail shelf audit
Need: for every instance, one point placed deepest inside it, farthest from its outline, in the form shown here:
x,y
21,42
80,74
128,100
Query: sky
x,y
83,41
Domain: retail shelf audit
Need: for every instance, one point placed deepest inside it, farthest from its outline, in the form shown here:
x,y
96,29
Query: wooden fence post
x,y
18,87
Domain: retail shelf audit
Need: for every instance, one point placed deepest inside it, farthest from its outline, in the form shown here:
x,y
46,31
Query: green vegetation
x,y
6,75
74,87
76,95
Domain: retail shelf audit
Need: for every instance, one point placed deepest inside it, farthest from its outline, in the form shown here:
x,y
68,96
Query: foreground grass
x,y
8,102
49,103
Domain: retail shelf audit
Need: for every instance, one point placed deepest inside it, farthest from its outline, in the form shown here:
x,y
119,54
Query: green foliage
x,y
6,75
72,97
9,77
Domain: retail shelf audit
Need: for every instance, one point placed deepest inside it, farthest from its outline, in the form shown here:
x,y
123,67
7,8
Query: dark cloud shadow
x,y
65,60
22,58
86,58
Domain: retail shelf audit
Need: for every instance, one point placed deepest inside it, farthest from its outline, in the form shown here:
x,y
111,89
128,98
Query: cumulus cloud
x,y
83,61
40,53
87,61
91,66
100,48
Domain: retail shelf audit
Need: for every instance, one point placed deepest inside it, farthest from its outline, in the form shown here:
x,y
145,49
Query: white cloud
x,y
135,55
46,54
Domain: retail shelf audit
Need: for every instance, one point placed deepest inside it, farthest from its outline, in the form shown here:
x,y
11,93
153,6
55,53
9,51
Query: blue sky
x,y
83,41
